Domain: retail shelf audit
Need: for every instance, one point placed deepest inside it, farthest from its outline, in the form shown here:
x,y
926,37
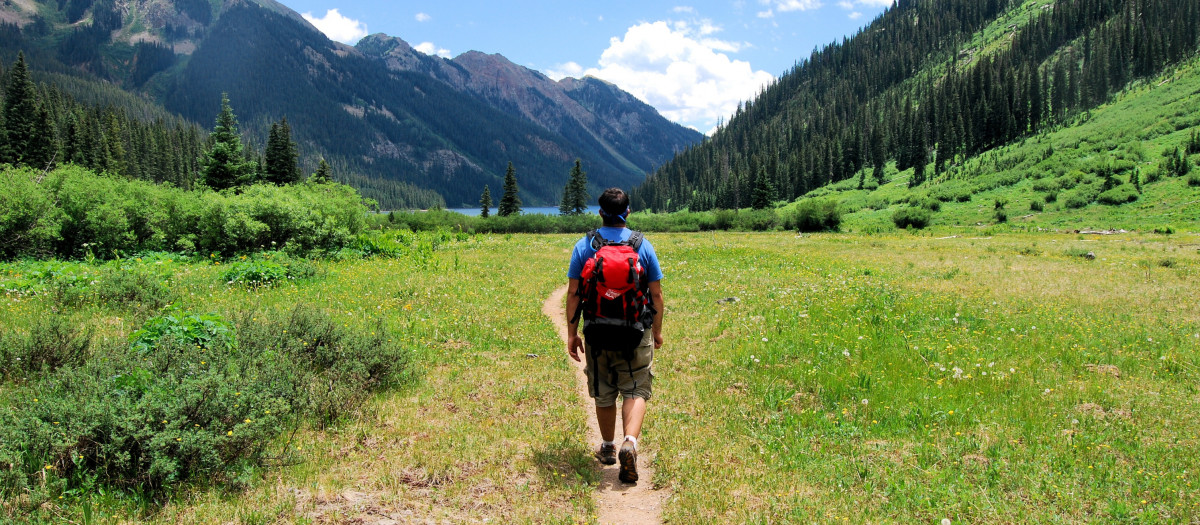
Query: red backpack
x,y
615,295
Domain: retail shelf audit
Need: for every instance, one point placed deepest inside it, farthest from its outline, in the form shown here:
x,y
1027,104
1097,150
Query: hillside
x,y
405,136
931,94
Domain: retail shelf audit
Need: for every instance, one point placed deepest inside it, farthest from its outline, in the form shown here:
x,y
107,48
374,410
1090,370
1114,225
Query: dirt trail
x,y
617,503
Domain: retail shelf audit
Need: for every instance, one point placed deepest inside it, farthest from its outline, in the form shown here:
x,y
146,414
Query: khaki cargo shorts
x,y
618,375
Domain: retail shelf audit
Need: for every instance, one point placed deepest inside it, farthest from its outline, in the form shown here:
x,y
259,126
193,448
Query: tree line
x,y
42,127
908,88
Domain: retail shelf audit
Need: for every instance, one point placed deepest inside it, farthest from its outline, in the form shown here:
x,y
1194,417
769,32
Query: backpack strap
x,y
595,240
635,240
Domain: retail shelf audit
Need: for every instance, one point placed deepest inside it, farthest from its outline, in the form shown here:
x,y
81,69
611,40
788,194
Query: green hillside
x,y
968,103
1127,138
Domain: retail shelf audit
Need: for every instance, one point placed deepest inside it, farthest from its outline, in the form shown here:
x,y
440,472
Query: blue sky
x,y
693,61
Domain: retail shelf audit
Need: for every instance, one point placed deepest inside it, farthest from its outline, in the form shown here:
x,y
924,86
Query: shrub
x,y
29,220
54,341
911,217
813,215
133,289
1164,229
1193,179
1122,194
756,220
1051,197
187,397
1036,205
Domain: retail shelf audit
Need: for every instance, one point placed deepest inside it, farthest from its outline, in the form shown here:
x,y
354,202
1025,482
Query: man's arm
x,y
657,295
574,342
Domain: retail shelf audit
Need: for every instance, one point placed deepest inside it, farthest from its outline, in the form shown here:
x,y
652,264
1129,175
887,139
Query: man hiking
x,y
614,286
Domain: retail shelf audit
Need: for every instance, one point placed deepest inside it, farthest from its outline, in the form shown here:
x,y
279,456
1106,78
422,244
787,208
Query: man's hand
x,y
574,346
658,341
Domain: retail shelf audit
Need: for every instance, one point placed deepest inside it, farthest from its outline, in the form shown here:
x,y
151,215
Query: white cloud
x,y
561,71
855,15
784,6
423,17
846,4
337,27
667,65
766,14
429,49
874,3
684,9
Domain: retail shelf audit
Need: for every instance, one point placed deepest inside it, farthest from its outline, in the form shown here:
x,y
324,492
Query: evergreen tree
x,y
26,140
574,201
224,165
485,202
323,175
280,166
878,153
510,202
764,191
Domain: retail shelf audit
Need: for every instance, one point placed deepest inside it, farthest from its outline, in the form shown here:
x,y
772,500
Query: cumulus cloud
x,y
784,6
429,49
422,17
337,27
670,66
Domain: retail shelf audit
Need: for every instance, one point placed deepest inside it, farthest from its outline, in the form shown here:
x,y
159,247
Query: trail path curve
x,y
617,503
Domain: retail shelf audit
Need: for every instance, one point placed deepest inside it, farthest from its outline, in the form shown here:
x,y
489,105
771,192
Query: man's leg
x,y
606,418
633,410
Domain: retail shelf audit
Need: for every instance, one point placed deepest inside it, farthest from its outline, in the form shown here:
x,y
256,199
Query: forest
x,y
927,87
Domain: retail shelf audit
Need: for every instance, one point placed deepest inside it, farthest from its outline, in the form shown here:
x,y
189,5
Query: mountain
x,y
930,93
408,129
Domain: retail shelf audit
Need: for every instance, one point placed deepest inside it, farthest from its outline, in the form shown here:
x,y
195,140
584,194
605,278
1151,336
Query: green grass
x,y
1130,133
1005,379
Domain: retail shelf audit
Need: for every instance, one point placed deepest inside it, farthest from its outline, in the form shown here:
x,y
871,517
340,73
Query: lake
x,y
540,210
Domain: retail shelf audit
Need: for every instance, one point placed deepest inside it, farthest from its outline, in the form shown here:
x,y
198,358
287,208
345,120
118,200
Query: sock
x,y
609,443
632,439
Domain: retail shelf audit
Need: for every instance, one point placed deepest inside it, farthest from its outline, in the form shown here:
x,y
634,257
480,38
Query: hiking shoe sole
x,y
628,456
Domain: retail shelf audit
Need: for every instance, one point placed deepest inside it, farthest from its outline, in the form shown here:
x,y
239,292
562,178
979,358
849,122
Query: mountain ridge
x,y
364,108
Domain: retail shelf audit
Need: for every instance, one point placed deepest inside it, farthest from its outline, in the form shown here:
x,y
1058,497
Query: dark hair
x,y
614,206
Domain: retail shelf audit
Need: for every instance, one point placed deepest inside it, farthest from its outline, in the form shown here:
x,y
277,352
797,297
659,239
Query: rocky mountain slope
x,y
391,120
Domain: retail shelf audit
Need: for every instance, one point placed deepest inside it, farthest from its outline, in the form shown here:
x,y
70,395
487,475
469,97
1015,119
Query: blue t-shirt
x,y
583,252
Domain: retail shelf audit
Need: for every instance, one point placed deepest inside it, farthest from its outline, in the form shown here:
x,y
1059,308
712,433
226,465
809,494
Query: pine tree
x,y
878,153
280,162
574,201
323,175
25,137
224,165
485,202
764,191
510,203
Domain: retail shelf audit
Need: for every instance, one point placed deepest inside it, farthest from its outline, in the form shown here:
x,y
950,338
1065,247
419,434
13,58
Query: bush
x,y
29,220
188,397
1193,179
135,289
1051,197
1036,205
1164,230
756,220
911,217
53,342
1122,194
813,215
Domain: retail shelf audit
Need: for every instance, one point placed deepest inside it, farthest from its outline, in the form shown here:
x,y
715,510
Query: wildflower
x,y
864,402
230,433
764,339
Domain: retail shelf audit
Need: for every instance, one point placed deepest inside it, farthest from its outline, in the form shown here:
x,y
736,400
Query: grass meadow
x,y
859,378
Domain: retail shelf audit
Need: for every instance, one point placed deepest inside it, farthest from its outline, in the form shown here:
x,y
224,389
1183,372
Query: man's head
x,y
614,207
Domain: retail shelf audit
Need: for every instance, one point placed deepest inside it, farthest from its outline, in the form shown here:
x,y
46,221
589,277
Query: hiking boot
x,y
607,454
628,457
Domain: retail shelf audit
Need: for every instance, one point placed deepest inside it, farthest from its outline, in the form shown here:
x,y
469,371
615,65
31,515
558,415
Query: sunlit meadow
x,y
804,378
